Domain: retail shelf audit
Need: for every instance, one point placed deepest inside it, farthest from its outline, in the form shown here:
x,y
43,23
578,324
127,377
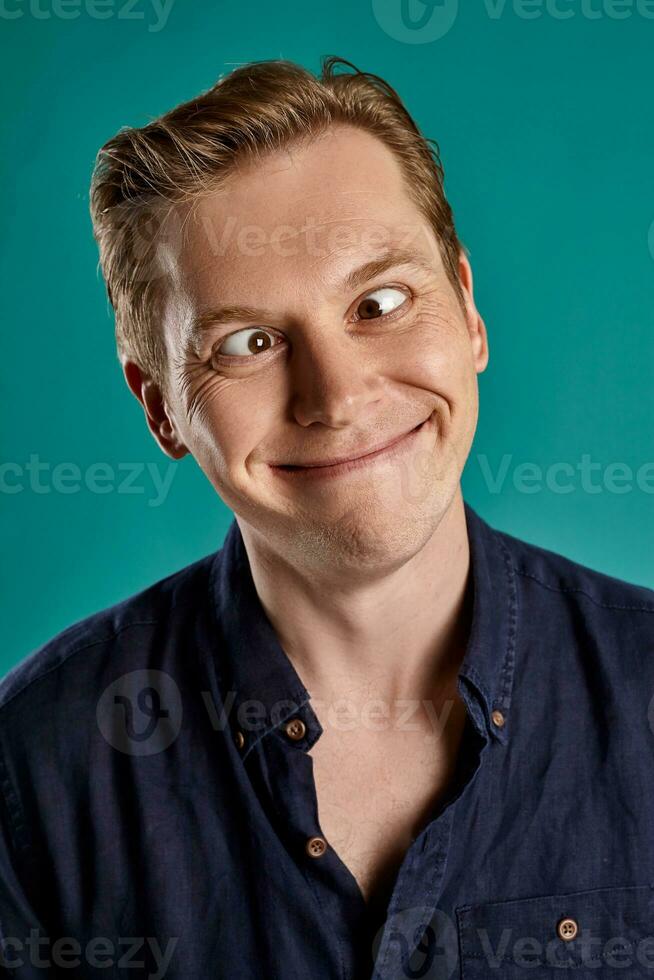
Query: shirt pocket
x,y
602,933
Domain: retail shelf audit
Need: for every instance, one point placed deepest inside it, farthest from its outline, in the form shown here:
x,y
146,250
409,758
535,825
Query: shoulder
x,y
582,612
89,650
555,573
585,638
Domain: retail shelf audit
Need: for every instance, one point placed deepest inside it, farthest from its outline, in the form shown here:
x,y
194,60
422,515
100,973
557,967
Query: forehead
x,y
303,216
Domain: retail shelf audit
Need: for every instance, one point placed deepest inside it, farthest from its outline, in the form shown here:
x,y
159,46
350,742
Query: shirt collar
x,y
260,684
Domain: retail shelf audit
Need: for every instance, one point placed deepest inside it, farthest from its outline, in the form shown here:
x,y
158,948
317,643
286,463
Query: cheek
x,y
236,420
435,356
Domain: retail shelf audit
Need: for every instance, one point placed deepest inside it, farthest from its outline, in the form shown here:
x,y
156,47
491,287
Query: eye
x,y
242,343
380,302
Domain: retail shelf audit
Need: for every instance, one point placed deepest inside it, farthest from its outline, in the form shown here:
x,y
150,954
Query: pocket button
x,y
567,929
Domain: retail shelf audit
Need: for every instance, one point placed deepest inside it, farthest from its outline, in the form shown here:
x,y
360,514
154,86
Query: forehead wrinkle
x,y
392,257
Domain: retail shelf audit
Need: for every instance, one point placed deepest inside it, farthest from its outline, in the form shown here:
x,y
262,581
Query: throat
x,y
376,794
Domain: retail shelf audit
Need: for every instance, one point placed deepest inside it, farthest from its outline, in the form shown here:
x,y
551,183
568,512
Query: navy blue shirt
x,y
158,813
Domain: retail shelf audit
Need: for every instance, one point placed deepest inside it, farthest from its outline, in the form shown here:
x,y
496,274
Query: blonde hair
x,y
142,174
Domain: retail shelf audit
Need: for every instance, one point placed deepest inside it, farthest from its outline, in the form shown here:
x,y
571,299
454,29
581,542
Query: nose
x,y
332,382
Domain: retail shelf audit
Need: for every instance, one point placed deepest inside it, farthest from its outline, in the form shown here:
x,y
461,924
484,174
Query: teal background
x,y
545,129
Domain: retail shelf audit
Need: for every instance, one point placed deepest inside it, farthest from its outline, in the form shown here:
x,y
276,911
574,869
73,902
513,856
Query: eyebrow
x,y
211,317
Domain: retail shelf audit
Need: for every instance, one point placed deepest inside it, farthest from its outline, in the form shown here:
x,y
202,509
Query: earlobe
x,y
169,442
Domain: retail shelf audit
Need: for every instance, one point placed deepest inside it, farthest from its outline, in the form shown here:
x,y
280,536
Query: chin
x,y
371,533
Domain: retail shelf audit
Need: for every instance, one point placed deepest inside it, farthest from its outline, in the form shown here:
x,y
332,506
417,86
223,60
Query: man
x,y
369,736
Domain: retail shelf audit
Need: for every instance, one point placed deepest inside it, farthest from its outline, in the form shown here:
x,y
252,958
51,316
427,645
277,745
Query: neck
x,y
400,636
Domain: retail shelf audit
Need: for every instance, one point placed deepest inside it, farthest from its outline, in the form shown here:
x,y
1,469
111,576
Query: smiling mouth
x,y
355,462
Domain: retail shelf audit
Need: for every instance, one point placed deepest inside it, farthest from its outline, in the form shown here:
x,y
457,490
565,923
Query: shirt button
x,y
295,729
498,718
567,929
240,739
316,846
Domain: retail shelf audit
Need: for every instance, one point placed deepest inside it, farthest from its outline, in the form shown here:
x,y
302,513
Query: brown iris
x,y
259,341
368,309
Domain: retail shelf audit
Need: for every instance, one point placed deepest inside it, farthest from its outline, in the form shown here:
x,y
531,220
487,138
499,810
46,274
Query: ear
x,y
160,423
476,325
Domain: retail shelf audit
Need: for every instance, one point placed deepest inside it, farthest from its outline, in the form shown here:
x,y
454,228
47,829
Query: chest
x,y
375,795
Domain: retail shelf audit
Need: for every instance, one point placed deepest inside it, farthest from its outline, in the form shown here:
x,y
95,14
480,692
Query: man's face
x,y
327,347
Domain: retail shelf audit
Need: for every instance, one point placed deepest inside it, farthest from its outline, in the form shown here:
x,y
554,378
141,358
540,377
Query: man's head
x,y
289,290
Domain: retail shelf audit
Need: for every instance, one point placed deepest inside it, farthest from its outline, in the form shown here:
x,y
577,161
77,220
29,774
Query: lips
x,y
356,455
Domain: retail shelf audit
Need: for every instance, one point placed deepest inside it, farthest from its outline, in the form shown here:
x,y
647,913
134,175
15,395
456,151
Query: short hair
x,y
142,174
